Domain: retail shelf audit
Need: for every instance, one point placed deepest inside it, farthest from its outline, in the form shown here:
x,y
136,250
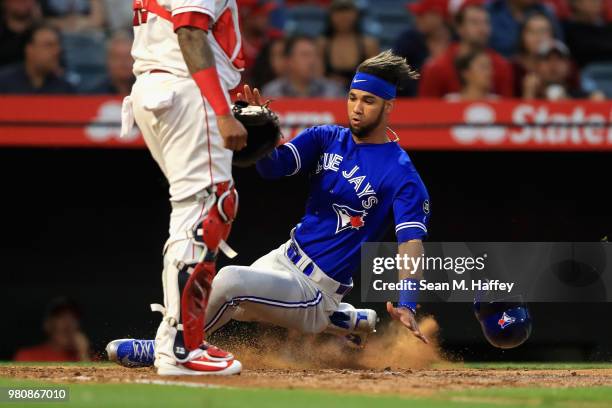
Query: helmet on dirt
x,y
505,324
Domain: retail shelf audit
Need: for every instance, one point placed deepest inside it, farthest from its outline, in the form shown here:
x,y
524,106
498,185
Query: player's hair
x,y
388,66
61,305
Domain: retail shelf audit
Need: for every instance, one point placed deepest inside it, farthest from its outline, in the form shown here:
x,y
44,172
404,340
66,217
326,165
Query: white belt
x,y
297,257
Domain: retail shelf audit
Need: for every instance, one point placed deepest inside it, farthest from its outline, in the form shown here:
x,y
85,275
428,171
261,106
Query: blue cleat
x,y
131,353
354,325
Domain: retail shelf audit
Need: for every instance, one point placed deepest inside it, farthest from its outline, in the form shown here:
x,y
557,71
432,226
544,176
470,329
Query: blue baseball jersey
x,y
356,190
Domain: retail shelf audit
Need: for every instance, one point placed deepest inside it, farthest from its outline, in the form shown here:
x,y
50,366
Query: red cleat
x,y
207,360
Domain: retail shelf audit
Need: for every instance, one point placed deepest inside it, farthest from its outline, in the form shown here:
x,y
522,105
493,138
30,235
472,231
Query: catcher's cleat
x,y
131,353
353,324
206,360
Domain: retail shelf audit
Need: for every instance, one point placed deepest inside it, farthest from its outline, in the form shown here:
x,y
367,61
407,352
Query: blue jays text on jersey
x,y
355,190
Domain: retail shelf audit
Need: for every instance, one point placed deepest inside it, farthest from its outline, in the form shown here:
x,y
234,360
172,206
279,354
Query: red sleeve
x,y
191,19
504,77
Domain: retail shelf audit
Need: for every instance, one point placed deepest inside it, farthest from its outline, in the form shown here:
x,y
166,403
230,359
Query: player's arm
x,y
411,213
200,60
300,155
405,310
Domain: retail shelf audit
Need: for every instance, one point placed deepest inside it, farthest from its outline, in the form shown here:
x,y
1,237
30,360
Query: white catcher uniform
x,y
178,125
180,128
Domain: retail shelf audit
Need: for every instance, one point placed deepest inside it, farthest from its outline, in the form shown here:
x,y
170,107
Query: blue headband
x,y
374,85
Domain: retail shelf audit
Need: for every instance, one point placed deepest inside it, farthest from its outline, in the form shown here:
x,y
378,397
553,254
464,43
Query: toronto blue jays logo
x,y
348,218
506,320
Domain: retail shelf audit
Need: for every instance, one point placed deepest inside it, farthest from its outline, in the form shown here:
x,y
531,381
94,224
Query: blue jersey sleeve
x,y
297,156
411,209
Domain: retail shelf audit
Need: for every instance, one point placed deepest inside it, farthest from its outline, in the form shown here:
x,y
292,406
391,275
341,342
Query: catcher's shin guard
x,y
194,276
211,231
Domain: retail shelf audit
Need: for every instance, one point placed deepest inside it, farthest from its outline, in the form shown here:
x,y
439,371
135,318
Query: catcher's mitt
x,y
263,132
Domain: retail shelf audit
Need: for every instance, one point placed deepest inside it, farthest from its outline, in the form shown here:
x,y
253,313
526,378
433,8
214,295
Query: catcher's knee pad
x,y
214,226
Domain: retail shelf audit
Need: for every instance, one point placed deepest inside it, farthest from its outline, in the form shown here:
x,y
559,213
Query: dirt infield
x,y
393,363
409,382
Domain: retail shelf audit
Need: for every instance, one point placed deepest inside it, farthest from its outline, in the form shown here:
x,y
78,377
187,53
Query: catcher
x,y
187,54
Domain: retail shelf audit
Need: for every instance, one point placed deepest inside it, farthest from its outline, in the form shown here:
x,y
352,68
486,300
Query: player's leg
x,y
353,324
268,291
272,291
146,113
181,132
186,144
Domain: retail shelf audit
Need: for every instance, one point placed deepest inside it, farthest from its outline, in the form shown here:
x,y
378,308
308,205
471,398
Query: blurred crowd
x,y
464,49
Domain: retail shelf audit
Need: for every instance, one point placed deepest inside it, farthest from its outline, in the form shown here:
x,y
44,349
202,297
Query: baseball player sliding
x,y
360,181
187,55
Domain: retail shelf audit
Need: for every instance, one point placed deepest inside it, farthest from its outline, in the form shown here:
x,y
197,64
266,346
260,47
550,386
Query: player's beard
x,y
364,131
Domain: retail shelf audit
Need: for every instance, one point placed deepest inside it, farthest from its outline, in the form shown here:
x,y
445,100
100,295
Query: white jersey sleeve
x,y
156,45
192,6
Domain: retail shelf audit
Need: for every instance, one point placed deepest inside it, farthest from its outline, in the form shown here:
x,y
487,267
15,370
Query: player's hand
x,y
233,133
406,317
252,97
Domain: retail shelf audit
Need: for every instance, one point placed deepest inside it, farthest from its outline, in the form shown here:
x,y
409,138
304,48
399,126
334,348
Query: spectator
x,y
553,78
559,8
535,33
302,79
17,18
254,27
65,340
269,65
429,38
343,45
119,64
507,16
607,10
476,77
321,3
74,15
588,35
439,76
40,72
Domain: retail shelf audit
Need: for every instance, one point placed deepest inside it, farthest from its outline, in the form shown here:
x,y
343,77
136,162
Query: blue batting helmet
x,y
505,324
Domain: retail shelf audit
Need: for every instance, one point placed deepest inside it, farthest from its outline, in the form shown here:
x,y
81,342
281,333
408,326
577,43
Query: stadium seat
x,y
597,77
85,58
307,19
386,21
